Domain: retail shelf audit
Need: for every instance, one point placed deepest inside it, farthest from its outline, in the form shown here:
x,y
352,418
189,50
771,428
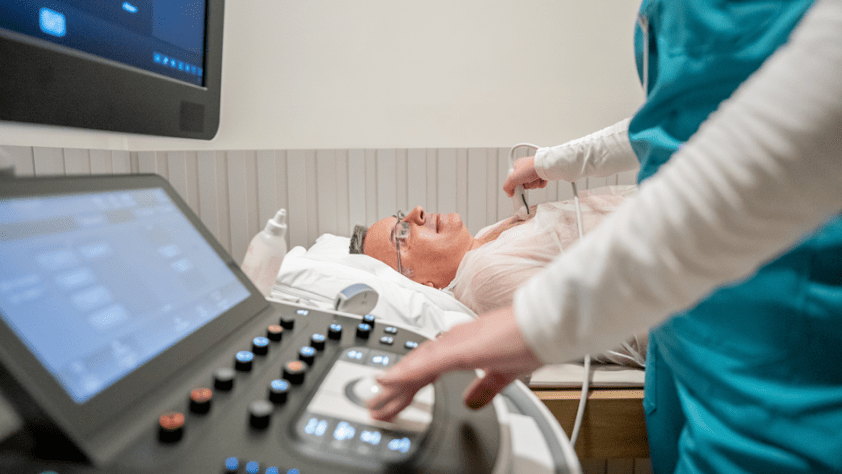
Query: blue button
x,y
387,340
253,467
400,445
293,471
308,351
336,327
272,470
245,356
391,330
302,312
280,384
411,344
52,22
318,337
129,7
261,341
232,464
158,57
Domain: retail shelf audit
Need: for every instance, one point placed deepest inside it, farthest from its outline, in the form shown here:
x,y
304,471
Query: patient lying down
x,y
484,271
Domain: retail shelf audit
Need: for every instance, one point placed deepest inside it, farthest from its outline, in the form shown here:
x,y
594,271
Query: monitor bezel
x,y
80,422
44,83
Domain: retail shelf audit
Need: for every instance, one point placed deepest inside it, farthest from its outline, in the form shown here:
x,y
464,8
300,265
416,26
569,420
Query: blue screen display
x,y
98,284
166,37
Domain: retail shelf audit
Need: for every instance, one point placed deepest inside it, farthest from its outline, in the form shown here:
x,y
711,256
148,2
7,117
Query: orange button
x,y
171,421
201,395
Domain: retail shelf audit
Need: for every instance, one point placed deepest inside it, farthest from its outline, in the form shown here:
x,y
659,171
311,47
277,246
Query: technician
x,y
731,252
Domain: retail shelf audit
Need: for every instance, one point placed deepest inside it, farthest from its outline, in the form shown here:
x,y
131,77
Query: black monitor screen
x,y
97,284
161,36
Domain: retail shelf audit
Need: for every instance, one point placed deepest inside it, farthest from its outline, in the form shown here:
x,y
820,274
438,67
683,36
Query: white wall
x,y
339,74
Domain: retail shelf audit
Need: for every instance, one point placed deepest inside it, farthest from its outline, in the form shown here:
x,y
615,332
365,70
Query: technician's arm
x,y
765,169
599,154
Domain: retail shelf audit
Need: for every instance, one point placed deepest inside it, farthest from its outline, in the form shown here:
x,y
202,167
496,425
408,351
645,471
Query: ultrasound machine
x,y
131,341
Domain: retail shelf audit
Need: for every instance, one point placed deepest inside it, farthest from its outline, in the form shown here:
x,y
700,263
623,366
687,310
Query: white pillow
x,y
315,276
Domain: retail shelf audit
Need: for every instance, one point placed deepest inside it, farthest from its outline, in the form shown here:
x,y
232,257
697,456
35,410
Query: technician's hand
x,y
525,174
493,343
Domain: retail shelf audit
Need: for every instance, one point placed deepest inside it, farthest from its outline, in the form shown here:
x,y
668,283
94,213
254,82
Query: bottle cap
x,y
277,225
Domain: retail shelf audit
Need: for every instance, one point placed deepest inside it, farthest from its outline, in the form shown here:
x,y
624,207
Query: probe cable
x,y
520,192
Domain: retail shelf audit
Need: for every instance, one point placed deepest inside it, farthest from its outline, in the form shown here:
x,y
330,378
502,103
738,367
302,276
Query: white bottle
x,y
266,253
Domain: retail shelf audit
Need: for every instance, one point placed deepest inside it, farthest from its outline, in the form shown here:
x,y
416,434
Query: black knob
x,y
200,400
260,411
369,319
275,332
243,360
363,330
307,354
287,322
334,331
278,390
223,379
294,371
260,345
317,341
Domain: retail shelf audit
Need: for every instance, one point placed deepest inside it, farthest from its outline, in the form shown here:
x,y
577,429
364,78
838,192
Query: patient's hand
x,y
493,343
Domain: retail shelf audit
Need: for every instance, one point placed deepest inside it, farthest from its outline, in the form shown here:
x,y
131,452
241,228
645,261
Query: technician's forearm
x,y
765,169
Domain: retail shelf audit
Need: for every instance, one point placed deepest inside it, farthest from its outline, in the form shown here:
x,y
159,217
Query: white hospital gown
x,y
489,275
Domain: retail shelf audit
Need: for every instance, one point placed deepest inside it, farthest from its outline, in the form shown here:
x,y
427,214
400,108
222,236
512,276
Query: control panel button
x,y
357,355
315,429
390,330
307,354
369,319
334,331
223,378
278,390
317,341
275,332
294,371
387,340
243,360
200,400
287,322
171,427
363,330
343,436
260,345
380,359
411,345
260,411
253,467
232,464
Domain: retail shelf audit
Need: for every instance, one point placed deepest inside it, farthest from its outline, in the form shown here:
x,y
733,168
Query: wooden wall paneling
x,y
22,159
643,466
77,161
146,162
446,182
504,202
312,197
371,190
386,185
461,182
432,203
48,161
619,466
297,207
209,196
343,226
402,182
593,466
101,162
121,162
416,179
326,179
357,189
177,174
476,188
491,185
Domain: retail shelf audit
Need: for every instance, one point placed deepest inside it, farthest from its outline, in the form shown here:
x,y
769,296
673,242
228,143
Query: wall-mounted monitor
x,y
138,66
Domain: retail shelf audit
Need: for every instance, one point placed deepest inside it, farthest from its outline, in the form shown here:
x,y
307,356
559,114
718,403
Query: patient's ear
x,y
430,284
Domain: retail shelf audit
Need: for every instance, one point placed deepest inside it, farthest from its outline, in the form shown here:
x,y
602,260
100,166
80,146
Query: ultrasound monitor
x,y
138,66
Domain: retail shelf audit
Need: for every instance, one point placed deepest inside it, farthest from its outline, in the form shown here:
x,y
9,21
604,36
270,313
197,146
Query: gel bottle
x,y
266,253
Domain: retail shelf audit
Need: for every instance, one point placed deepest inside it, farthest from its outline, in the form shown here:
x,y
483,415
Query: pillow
x,y
314,277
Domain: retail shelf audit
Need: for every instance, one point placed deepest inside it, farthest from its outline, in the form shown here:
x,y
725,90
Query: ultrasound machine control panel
x,y
130,342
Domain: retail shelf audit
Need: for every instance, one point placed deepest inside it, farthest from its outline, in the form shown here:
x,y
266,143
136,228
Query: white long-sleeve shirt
x,y
764,170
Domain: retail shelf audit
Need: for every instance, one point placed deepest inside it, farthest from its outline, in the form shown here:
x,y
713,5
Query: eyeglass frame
x,y
400,216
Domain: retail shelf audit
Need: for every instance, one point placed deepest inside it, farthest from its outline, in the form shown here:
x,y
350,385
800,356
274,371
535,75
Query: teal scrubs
x,y
750,379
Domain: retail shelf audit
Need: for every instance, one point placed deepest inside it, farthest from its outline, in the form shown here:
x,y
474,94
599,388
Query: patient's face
x,y
434,249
